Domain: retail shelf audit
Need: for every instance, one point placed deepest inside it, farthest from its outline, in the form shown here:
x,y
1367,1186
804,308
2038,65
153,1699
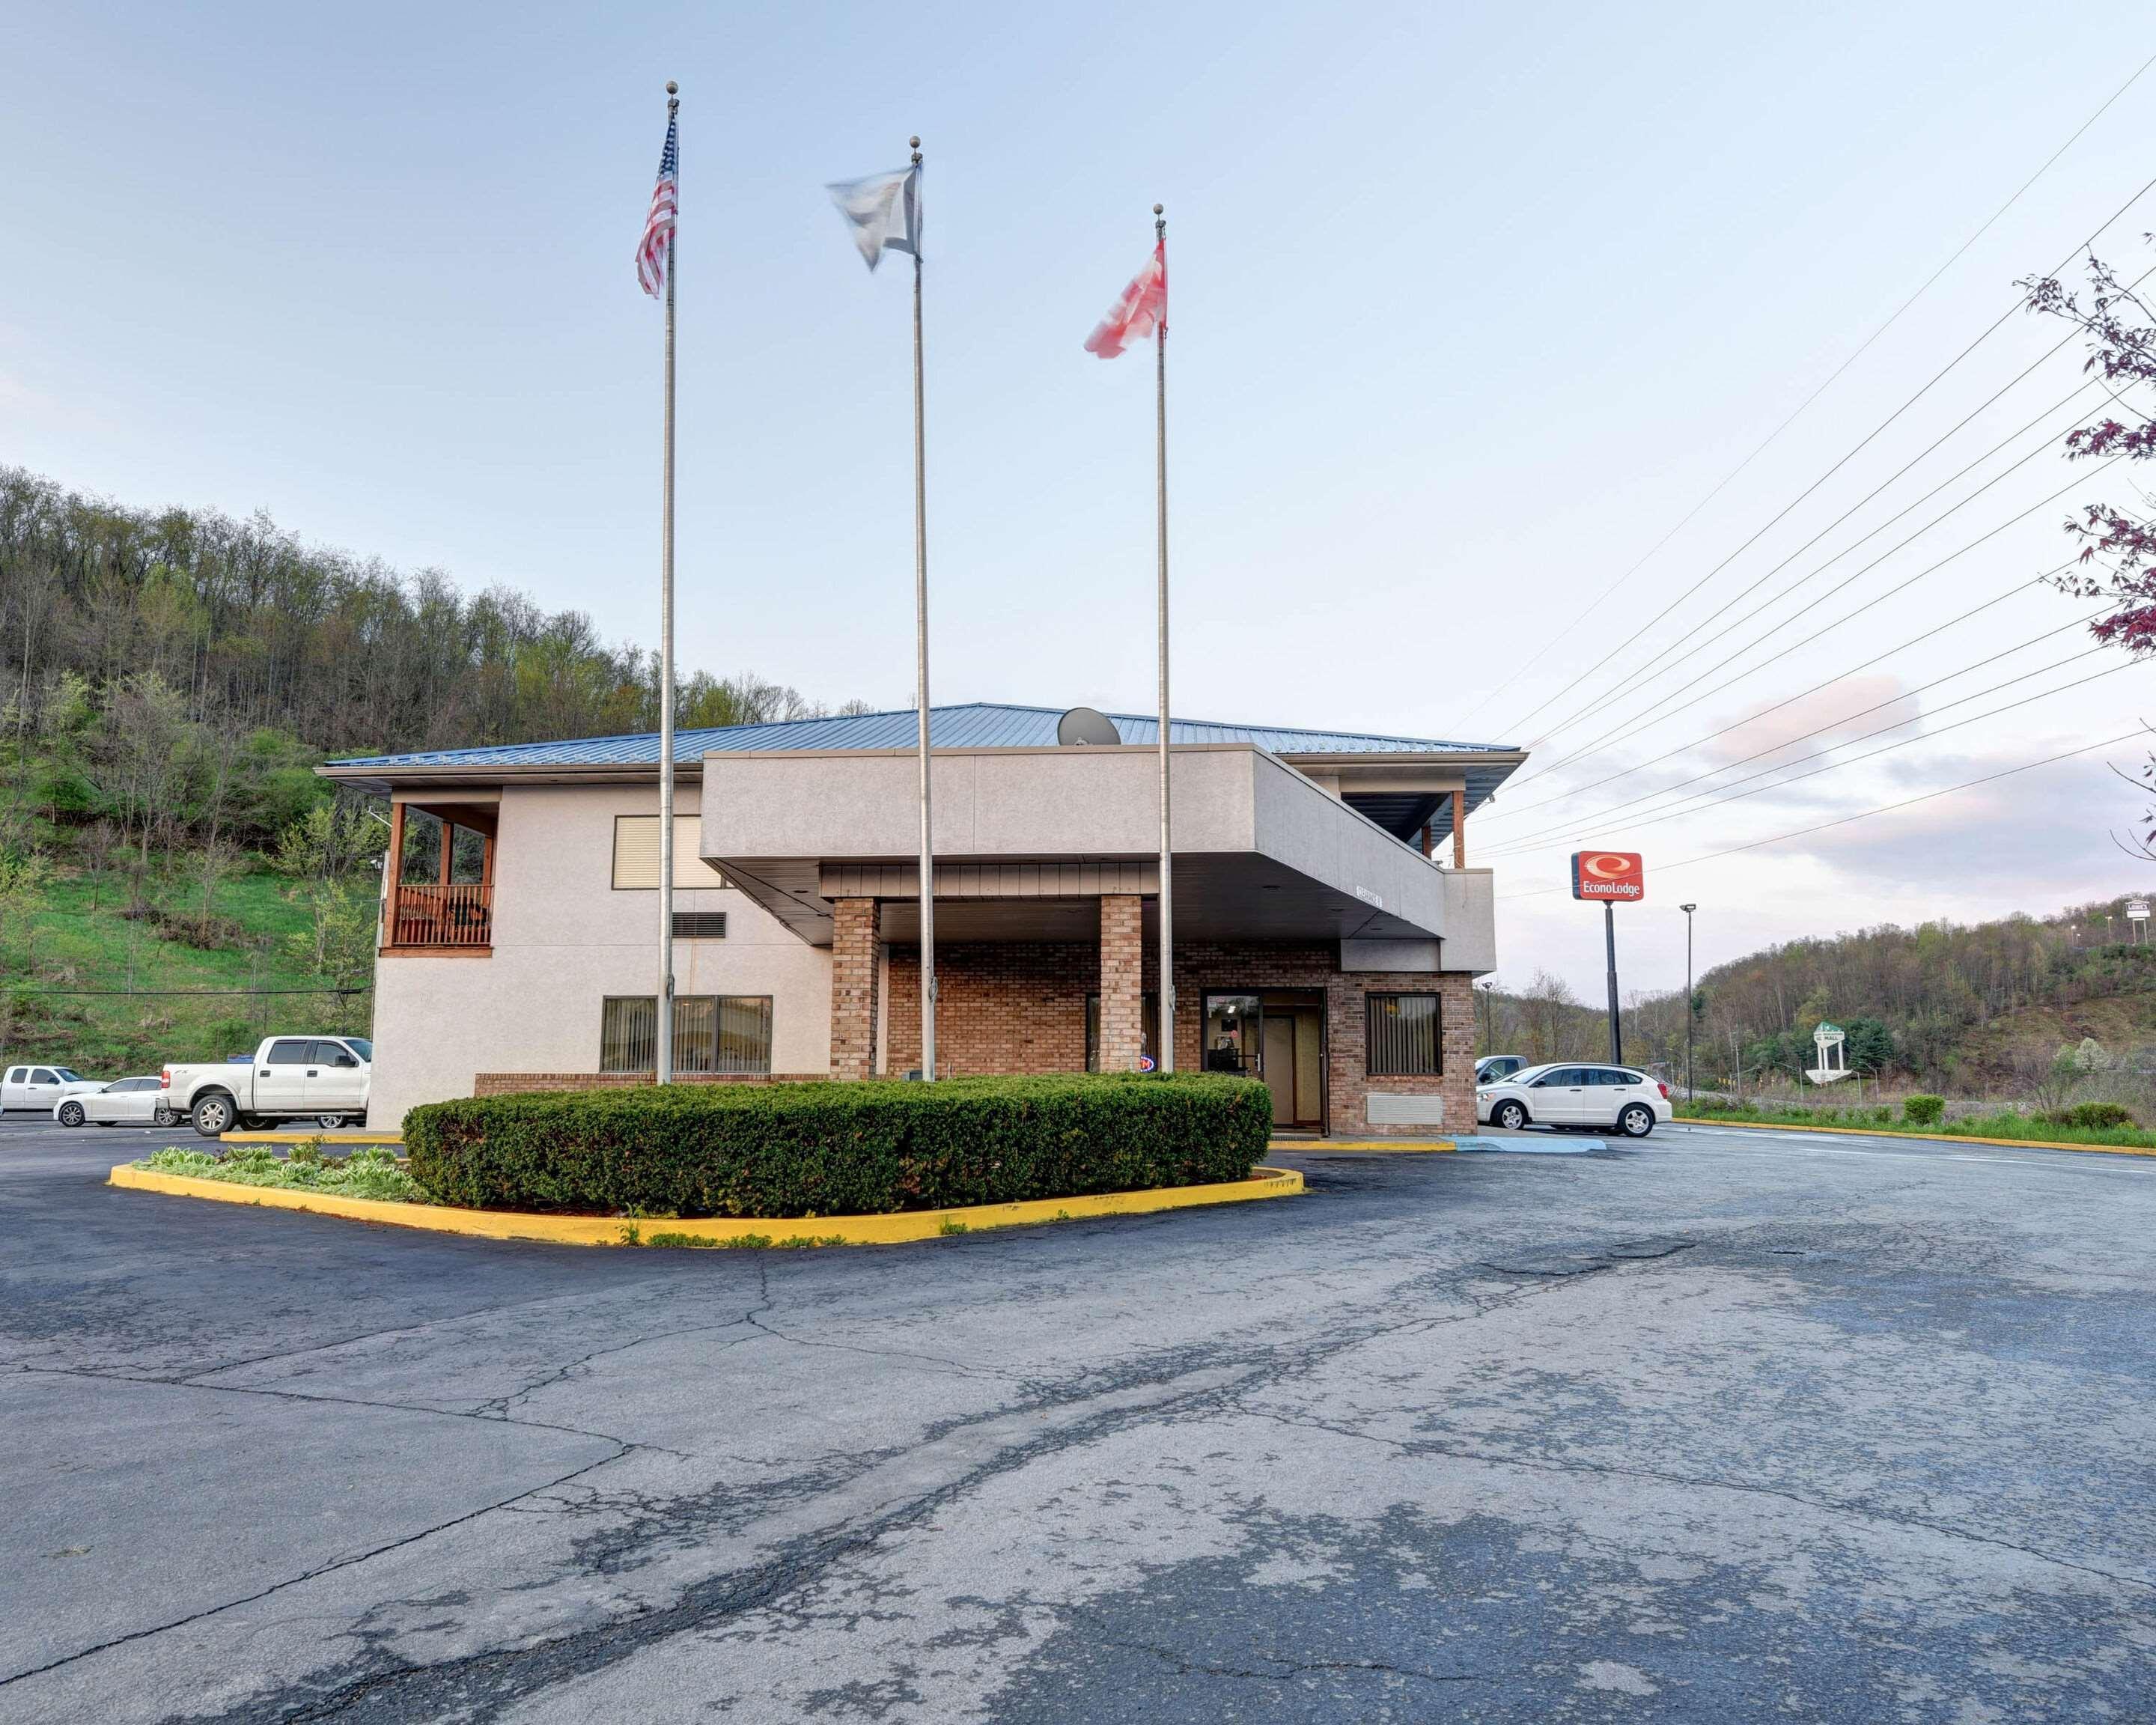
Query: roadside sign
x,y
2137,910
1608,877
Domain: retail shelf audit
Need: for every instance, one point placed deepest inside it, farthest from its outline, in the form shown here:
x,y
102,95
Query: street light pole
x,y
1690,1094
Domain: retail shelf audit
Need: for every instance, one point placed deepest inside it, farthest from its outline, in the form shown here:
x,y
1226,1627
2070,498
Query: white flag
x,y
884,212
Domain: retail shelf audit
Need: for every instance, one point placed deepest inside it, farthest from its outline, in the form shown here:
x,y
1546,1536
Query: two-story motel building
x,y
1328,928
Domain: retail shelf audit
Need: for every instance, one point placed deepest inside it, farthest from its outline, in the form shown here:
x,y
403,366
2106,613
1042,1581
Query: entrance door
x,y
1277,1035
1280,1066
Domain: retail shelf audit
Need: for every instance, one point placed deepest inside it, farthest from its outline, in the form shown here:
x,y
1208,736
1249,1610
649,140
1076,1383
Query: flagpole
x,y
920,663
663,1049
1165,1053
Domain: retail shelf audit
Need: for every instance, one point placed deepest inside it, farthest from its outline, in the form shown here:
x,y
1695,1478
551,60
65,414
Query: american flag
x,y
656,251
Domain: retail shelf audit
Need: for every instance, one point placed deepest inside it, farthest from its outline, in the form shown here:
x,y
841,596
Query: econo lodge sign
x,y
1612,876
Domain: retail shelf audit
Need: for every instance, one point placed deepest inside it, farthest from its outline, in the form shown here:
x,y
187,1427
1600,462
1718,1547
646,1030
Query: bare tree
x,y
1546,1010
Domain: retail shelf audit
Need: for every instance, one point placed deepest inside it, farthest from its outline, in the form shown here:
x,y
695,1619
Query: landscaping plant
x,y
830,1149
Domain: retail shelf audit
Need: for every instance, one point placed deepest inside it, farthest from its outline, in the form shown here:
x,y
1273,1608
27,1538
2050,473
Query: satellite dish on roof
x,y
1084,725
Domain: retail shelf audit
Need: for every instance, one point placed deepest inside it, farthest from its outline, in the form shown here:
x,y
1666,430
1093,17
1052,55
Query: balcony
x,y
440,894
460,914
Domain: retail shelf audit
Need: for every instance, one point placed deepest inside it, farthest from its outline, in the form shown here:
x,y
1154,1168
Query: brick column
x,y
854,988
1122,972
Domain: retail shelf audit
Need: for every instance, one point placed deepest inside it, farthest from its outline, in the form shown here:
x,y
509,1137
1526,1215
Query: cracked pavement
x,y
1724,1427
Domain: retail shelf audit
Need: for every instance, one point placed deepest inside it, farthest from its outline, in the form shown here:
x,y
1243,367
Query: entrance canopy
x,y
1029,839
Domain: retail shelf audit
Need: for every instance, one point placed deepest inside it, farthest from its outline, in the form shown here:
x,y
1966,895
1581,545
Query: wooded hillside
x,y
168,681
1983,1007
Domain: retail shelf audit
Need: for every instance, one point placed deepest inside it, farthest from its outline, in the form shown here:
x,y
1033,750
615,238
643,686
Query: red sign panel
x,y
1608,875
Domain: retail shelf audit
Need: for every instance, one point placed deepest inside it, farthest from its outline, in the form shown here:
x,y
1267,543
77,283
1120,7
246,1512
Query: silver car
x,y
124,1102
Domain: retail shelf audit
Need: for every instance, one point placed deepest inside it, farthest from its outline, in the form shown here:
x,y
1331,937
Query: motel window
x,y
636,854
1403,1040
1149,1029
712,1033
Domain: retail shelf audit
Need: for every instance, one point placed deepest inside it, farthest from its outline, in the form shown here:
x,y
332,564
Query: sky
x,y
1475,311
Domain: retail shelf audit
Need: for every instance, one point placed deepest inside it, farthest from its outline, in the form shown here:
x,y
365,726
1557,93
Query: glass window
x,y
1234,1036
18,1074
744,1033
292,1053
1404,1039
636,854
1148,1026
43,1075
361,1046
335,1053
629,1033
712,1033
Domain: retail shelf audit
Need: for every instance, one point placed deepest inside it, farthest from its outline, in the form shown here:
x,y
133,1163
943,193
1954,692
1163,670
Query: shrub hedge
x,y
1923,1110
837,1148
2092,1116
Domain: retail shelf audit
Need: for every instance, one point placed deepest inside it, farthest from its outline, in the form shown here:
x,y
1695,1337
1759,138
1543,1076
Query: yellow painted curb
x,y
1356,1147
823,1230
1881,1131
306,1137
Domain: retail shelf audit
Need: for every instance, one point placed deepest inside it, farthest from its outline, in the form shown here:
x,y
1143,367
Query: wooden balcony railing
x,y
433,915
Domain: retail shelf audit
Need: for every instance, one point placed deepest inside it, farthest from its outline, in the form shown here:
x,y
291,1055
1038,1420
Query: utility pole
x,y
1690,1094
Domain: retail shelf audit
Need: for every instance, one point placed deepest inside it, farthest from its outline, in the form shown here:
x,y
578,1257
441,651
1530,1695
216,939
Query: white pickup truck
x,y
324,1078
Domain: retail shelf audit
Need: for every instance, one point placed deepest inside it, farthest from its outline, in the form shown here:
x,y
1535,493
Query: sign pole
x,y
1616,1029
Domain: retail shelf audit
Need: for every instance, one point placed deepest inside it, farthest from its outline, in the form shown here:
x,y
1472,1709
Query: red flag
x,y
1142,309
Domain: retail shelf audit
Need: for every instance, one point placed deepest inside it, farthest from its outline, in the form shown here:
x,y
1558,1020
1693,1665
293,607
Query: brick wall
x,y
854,988
510,1084
1122,963
1002,1006
1020,1007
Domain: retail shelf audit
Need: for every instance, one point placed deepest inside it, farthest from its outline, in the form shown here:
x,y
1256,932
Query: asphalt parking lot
x,y
1720,1427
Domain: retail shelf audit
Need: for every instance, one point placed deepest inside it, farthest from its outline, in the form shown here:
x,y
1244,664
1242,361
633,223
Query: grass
x,y
2001,1123
735,1243
70,946
373,1171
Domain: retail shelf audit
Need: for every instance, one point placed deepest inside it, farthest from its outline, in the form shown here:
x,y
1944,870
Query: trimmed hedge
x,y
839,1148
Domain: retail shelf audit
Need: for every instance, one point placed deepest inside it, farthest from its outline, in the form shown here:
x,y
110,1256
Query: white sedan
x,y
1565,1095
124,1102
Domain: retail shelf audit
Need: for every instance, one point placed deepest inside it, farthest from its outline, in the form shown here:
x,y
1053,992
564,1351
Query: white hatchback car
x,y
1617,1097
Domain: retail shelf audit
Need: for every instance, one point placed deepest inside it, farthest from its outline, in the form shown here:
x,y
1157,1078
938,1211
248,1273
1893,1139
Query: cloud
x,y
1845,709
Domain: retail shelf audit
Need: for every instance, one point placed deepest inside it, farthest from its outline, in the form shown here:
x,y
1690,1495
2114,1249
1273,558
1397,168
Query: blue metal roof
x,y
977,725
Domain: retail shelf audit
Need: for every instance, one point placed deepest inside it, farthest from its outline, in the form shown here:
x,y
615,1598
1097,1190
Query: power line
x,y
1881,527
1705,800
1832,377
1992,330
185,994
1654,715
1504,844
1866,814
1587,710
1752,718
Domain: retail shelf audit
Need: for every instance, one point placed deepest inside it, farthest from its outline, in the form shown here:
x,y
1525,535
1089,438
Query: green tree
x,y
322,853
24,874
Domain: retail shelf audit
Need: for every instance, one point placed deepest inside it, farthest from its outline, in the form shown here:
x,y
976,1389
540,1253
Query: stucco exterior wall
x,y
564,940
